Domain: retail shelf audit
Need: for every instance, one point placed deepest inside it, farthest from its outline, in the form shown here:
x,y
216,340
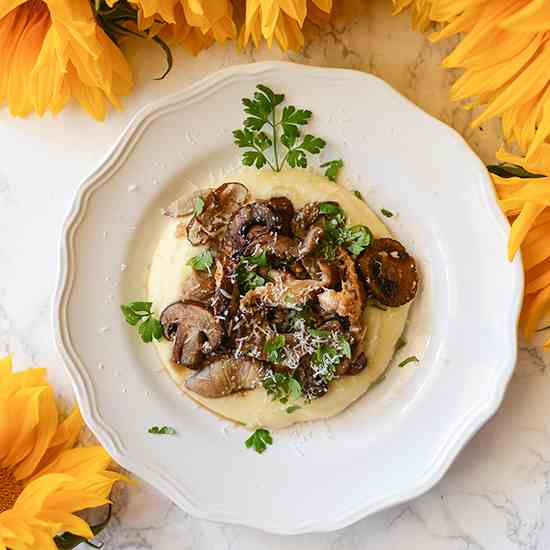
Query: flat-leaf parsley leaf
x,y
332,168
139,313
259,440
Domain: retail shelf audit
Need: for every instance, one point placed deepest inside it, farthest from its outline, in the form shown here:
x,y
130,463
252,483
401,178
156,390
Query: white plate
x,y
393,444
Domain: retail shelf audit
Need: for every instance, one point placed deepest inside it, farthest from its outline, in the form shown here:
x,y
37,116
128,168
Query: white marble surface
x,y
497,494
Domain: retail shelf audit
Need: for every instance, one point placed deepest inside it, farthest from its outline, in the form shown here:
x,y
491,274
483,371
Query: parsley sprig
x,y
259,440
139,313
264,129
326,358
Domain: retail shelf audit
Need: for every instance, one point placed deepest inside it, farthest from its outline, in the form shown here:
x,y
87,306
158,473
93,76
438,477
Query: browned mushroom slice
x,y
219,206
257,215
193,329
321,270
389,271
225,375
198,287
283,291
185,205
226,294
349,301
352,366
284,208
304,218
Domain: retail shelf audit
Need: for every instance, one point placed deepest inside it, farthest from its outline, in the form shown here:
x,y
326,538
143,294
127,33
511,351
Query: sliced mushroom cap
x,y
255,215
185,205
226,293
304,218
321,270
198,287
219,206
389,272
226,375
350,300
194,329
284,208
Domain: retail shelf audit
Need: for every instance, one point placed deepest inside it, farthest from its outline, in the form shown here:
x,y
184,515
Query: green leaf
x,y
358,195
511,171
273,348
202,262
259,260
387,213
289,137
146,329
345,347
282,387
165,430
332,167
131,317
294,116
401,343
296,158
259,440
411,359
292,408
318,333
199,206
68,541
262,141
329,208
254,158
248,279
312,144
157,330
243,138
141,307
356,238
275,99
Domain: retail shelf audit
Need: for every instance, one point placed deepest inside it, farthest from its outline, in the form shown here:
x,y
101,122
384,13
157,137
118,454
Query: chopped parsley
x,y
259,440
282,387
139,313
387,213
326,358
259,260
292,408
354,239
332,168
165,430
202,262
411,359
247,278
199,206
274,348
358,195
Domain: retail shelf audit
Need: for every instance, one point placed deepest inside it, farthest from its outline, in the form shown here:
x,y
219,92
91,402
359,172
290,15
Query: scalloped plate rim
x,y
76,371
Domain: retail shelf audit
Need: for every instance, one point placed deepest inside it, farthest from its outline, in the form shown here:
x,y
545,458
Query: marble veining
x,y
496,496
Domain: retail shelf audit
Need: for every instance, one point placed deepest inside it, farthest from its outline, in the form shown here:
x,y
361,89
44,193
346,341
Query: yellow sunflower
x,y
195,24
505,55
526,201
43,478
53,50
279,19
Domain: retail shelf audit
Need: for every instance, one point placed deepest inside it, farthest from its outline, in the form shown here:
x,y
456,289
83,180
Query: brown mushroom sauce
x,y
285,296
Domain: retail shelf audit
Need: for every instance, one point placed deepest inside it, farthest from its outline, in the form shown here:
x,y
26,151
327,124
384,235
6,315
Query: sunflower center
x,y
10,489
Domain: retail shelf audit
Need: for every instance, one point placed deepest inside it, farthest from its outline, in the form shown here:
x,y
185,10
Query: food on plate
x,y
281,297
